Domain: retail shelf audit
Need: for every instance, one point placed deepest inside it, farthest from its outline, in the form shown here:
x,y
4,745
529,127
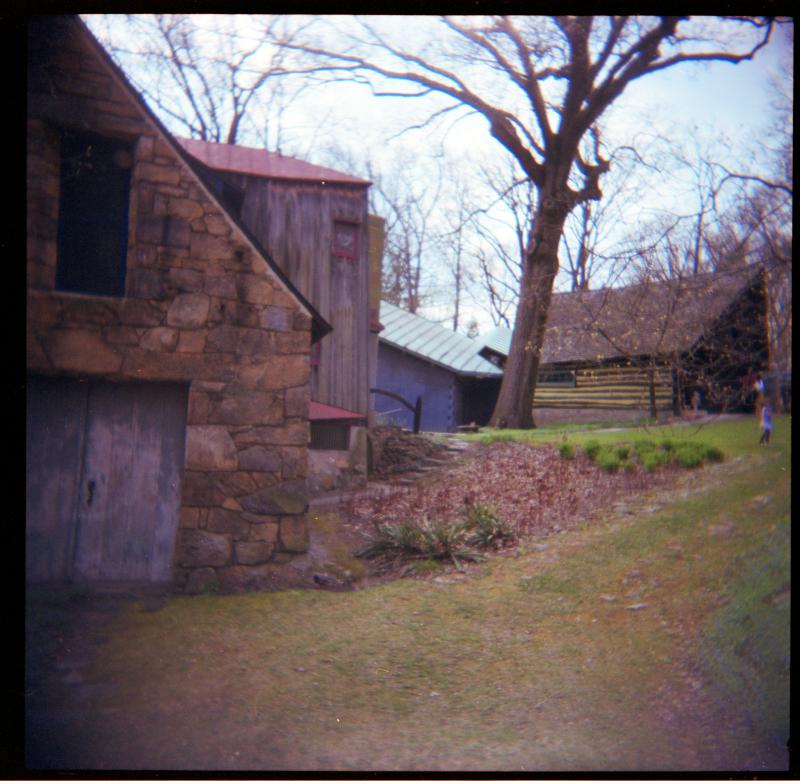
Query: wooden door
x,y
56,420
124,487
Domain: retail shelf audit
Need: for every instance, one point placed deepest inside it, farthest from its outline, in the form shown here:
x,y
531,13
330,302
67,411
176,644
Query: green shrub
x,y
443,540
652,458
644,448
591,448
650,454
566,450
406,538
486,527
649,462
689,454
430,539
607,460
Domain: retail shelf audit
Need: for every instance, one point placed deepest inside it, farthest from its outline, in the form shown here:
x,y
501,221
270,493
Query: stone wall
x,y
201,306
339,470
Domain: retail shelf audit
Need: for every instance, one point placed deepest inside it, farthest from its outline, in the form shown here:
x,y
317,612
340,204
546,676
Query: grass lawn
x,y
654,639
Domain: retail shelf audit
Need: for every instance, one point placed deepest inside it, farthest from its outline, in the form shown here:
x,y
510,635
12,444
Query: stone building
x,y
167,354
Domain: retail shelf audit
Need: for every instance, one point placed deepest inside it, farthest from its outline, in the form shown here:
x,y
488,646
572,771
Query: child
x,y
766,423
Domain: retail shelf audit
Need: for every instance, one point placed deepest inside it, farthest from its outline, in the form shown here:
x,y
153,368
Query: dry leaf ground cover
x,y
533,488
650,637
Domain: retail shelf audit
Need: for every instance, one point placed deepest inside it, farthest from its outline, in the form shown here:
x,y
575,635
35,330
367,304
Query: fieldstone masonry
x,y
201,306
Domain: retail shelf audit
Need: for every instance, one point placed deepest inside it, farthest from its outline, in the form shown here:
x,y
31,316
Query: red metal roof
x,y
260,162
319,411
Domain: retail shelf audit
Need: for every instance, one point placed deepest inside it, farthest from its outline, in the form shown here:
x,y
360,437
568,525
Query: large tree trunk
x,y
514,408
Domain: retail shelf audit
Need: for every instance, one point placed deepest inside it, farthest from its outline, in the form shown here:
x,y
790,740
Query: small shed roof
x,y
261,162
650,318
430,341
319,411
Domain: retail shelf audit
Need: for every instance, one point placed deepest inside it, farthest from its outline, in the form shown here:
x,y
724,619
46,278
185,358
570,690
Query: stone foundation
x,y
547,416
339,470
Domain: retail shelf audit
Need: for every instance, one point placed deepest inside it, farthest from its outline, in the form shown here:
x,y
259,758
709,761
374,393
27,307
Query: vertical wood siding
x,y
410,377
105,463
56,414
294,221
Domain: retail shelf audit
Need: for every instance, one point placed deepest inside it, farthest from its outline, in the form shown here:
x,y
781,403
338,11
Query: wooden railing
x,y
415,408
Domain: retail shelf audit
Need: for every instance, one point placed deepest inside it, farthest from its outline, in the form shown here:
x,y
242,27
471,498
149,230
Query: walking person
x,y
766,423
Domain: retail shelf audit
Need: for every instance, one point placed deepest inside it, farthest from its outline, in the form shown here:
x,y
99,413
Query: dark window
x,y
326,435
93,214
345,240
559,378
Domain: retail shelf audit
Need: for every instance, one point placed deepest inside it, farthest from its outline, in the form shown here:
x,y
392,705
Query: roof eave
x,y
434,362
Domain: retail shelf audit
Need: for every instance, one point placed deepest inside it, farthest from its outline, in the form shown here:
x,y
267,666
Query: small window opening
x,y
93,214
326,435
345,240
557,378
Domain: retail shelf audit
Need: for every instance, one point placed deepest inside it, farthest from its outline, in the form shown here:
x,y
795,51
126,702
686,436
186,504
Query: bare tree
x,y
409,208
500,228
216,78
453,246
568,71
587,246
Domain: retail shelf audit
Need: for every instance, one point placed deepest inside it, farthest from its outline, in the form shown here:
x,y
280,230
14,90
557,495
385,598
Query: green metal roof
x,y
430,341
498,340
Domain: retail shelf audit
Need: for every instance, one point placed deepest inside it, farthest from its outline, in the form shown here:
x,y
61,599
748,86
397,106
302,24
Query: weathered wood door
x,y
104,467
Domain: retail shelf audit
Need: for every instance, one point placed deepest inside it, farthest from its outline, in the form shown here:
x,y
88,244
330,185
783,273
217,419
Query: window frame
x,y
86,228
343,252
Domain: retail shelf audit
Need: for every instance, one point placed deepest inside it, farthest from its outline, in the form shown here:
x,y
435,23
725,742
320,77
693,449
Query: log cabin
x,y
645,349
